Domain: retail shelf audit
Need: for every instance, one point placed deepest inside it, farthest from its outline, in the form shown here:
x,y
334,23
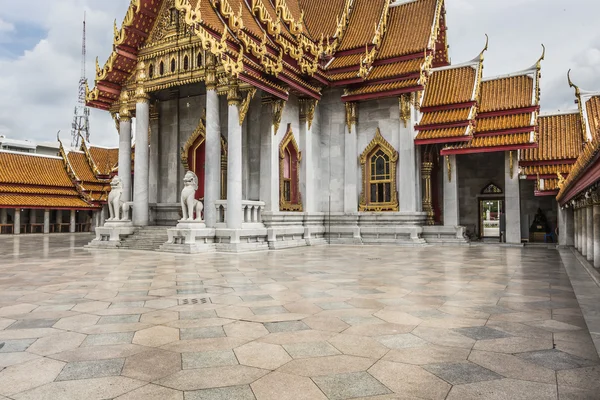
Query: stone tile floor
x,y
377,323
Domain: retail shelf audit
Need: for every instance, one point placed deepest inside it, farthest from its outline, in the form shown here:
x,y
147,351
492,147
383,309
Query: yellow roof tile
x,y
409,29
49,201
346,61
551,169
450,86
445,116
585,158
81,167
33,170
506,93
105,159
383,87
549,185
343,76
395,69
364,18
560,137
442,133
320,16
495,141
503,122
593,115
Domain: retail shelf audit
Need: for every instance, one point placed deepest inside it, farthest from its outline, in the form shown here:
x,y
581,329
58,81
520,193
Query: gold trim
x,y
307,110
283,204
277,109
511,164
404,102
378,142
426,169
200,131
449,168
351,115
245,105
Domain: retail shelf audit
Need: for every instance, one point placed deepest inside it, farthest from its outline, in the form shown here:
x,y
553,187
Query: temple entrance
x,y
196,163
490,212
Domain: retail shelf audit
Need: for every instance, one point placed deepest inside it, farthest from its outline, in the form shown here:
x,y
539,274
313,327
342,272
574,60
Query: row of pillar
x,y
33,219
587,232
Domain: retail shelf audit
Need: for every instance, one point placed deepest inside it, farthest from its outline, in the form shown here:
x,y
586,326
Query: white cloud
x,y
39,84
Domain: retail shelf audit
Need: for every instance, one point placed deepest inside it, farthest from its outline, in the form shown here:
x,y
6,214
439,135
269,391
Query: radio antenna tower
x,y
80,128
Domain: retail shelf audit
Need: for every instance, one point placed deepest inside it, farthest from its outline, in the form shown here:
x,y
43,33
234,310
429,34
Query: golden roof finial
x,y
487,42
539,62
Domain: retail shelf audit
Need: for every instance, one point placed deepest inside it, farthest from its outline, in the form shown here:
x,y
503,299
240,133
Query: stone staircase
x,y
149,238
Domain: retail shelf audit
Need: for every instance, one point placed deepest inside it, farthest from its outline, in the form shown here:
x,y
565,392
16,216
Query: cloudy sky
x,y
40,47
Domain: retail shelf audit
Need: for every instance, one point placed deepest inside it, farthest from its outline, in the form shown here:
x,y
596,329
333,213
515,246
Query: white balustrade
x,y
251,211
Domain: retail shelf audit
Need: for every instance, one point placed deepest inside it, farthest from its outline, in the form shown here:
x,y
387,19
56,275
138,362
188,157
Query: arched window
x,y
199,60
151,71
289,173
378,163
161,68
172,65
186,63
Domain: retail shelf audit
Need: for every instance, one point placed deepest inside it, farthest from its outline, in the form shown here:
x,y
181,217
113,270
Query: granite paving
x,y
325,322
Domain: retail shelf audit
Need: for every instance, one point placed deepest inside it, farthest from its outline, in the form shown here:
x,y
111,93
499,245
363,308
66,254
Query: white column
x,y
307,169
566,229
579,230
46,221
3,216
512,199
58,220
72,221
234,217
576,228
584,232
596,222
451,205
407,174
140,190
125,157
212,146
154,157
17,222
350,170
269,165
590,232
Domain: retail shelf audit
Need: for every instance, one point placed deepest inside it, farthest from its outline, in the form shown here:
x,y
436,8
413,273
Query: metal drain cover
x,y
194,301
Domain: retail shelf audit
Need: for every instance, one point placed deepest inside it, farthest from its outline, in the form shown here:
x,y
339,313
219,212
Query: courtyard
x,y
327,322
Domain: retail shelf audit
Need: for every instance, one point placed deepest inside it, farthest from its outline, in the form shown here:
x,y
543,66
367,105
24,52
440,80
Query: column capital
x,y
140,93
233,93
307,110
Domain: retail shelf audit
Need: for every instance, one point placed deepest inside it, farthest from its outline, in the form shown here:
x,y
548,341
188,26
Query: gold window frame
x,y
285,205
378,143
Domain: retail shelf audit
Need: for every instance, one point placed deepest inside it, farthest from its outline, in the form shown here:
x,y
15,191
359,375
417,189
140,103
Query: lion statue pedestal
x,y
191,234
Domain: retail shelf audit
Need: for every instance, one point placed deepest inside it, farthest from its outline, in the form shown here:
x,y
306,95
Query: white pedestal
x,y
190,237
109,235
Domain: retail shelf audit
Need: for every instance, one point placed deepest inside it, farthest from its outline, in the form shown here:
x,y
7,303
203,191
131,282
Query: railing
x,y
251,211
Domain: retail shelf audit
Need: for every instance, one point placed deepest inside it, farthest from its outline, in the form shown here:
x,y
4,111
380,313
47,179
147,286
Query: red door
x,y
196,160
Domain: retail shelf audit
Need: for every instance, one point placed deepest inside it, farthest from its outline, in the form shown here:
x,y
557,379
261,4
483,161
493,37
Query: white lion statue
x,y
188,202
114,199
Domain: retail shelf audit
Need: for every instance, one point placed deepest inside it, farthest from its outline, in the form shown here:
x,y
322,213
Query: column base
x,y
342,228
399,228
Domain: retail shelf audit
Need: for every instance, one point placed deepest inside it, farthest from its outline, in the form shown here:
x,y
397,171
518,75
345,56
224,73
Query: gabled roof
x,y
449,105
507,114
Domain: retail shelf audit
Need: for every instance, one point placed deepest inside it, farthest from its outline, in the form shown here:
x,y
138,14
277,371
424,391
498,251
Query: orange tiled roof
x,y
442,133
506,93
450,86
364,18
105,159
549,185
409,29
496,141
47,201
33,170
28,180
583,161
346,61
383,87
343,76
320,16
503,122
546,169
560,138
395,69
593,115
81,167
445,116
